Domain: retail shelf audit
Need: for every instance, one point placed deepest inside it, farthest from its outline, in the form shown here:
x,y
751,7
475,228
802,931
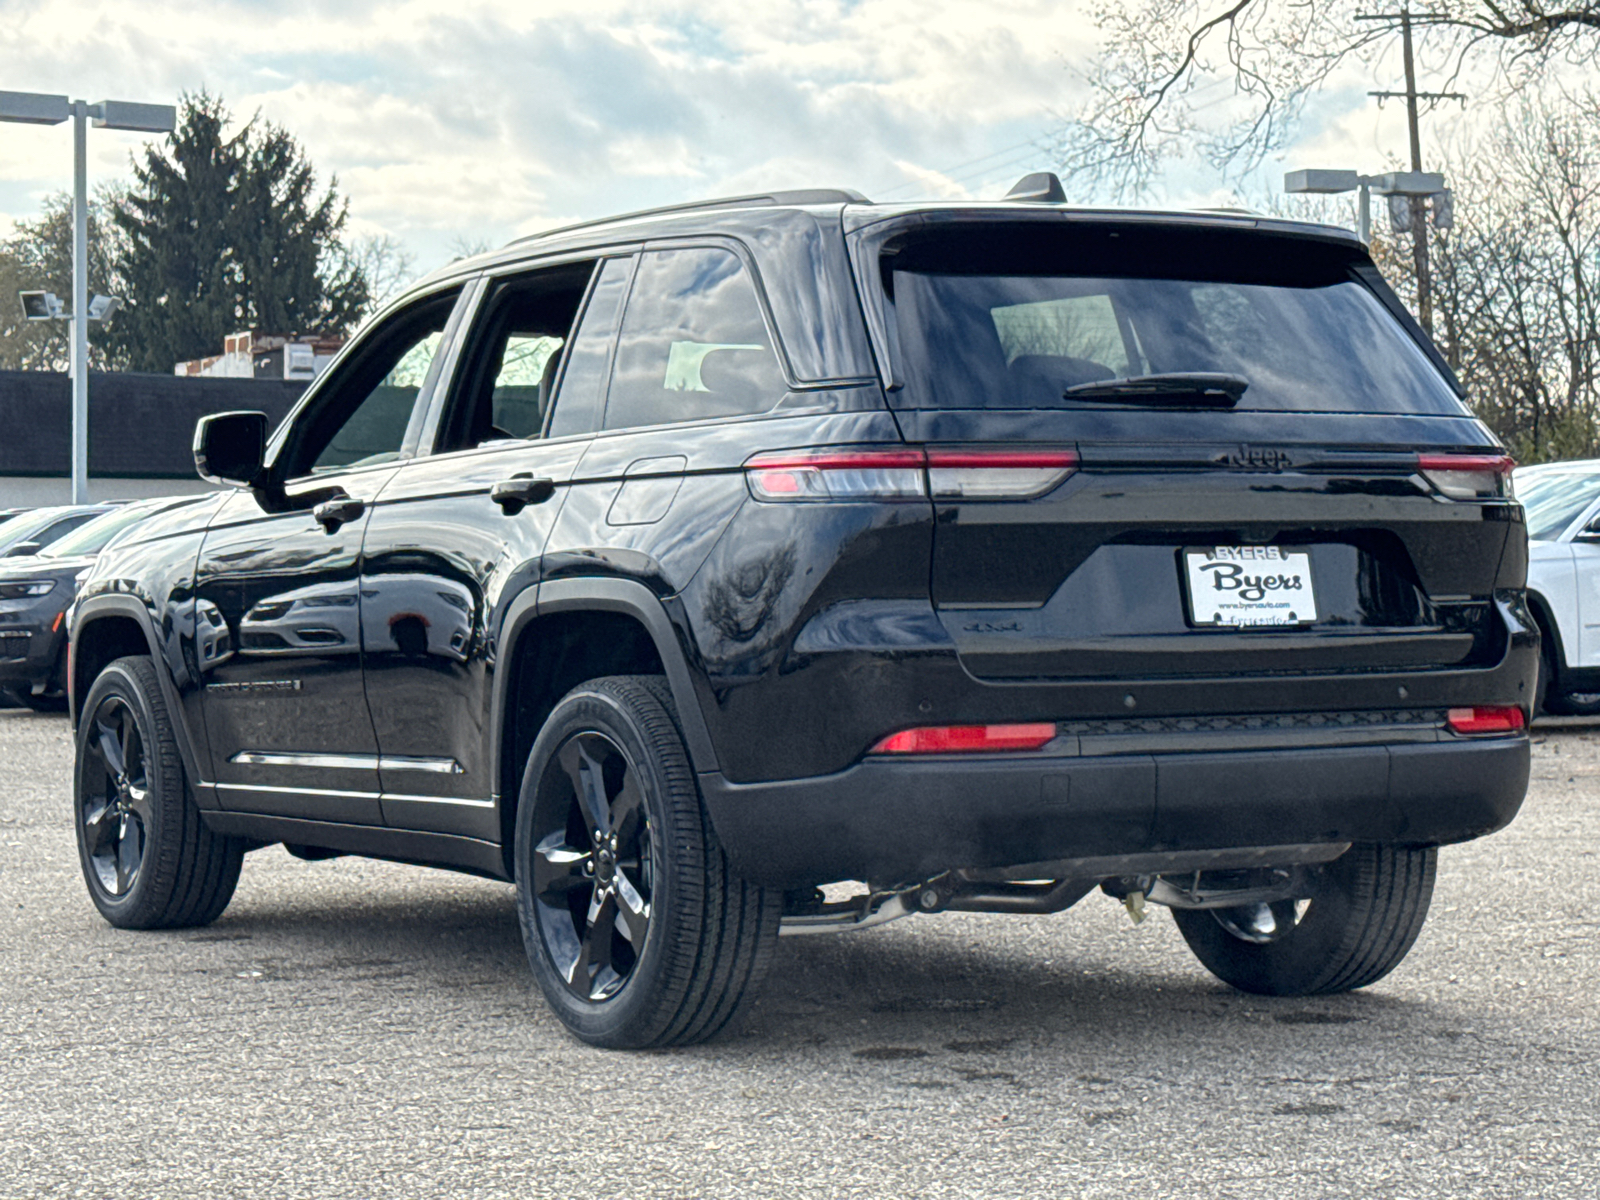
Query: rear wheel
x,y
147,857
1360,917
636,927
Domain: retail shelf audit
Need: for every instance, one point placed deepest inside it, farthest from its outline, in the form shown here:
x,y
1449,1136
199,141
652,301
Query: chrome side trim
x,y
296,791
410,762
464,803
310,791
336,762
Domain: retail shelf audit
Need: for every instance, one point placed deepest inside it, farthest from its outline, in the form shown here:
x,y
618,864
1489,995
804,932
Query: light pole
x,y
34,108
1418,188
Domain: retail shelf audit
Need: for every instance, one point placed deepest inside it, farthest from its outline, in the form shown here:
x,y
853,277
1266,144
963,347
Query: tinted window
x,y
361,414
1011,320
693,344
582,388
377,428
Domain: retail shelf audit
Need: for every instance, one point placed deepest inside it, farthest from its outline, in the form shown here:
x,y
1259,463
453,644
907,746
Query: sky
x,y
476,121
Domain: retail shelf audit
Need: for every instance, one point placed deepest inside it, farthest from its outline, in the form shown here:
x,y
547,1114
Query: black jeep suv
x,y
676,565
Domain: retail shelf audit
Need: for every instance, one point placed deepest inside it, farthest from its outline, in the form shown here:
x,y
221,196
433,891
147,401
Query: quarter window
x,y
693,343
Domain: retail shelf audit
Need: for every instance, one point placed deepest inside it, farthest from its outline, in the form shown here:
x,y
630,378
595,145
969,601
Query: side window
x,y
582,387
361,414
693,344
513,357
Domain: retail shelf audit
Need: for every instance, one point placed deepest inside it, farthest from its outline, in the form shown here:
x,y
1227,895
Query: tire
x,y
636,866
1546,698
148,859
1366,909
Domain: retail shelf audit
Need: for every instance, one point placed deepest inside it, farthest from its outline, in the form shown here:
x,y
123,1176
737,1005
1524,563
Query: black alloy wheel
x,y
114,812
147,857
637,929
592,869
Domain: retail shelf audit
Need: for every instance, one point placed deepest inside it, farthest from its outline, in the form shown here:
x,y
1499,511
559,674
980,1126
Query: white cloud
x,y
485,118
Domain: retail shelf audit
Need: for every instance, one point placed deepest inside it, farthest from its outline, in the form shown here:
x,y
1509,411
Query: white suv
x,y
1562,501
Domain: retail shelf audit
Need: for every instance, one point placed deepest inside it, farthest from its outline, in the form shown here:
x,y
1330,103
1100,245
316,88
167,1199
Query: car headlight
x,y
26,587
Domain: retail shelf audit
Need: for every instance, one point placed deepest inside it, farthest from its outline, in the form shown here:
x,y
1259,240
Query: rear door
x,y
444,558
1088,528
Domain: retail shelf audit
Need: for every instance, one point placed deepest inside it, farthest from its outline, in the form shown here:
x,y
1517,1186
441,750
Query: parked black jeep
x,y
676,565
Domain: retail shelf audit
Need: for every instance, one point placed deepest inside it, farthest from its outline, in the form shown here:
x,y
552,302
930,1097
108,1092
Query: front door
x,y
278,582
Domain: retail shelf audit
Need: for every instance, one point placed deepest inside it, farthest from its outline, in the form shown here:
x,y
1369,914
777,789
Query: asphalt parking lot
x,y
360,1029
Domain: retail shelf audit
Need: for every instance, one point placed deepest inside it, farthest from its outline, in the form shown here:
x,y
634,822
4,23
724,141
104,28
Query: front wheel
x,y
637,929
1360,917
148,858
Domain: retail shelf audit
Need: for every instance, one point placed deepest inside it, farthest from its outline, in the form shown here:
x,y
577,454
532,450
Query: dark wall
x,y
140,426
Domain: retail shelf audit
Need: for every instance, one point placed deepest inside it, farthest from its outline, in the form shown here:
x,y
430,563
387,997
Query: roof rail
x,y
758,200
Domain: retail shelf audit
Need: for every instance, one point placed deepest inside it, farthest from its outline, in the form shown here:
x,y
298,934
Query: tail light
x,y
997,474
837,475
907,474
1468,476
955,739
1495,718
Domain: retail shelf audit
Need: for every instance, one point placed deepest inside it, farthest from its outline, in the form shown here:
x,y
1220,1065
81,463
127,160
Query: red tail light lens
x,y
1468,476
997,474
956,739
837,475
1497,718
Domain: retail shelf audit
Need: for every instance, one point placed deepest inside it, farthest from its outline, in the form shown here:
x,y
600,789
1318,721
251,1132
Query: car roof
x,y
855,212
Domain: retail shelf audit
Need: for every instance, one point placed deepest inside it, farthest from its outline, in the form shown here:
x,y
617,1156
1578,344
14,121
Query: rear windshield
x,y
1019,329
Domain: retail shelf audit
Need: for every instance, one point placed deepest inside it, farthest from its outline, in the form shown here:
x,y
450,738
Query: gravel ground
x,y
358,1029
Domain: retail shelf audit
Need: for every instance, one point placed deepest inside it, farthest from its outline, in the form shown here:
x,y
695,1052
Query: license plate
x,y
1235,586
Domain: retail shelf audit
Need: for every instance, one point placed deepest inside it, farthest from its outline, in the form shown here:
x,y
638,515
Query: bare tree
x,y
1229,78
386,263
1517,286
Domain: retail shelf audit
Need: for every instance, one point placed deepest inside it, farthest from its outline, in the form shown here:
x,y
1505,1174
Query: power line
x,y
947,172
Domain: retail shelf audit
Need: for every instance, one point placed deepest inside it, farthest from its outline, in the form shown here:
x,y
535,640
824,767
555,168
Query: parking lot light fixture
x,y
37,108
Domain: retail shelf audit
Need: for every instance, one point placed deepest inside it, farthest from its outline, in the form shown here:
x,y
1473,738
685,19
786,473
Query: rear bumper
x,y
891,820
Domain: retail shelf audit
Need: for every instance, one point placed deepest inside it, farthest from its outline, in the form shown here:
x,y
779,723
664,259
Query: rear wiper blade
x,y
1183,389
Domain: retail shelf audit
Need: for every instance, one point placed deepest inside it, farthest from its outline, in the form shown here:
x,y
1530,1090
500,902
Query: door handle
x,y
331,514
516,493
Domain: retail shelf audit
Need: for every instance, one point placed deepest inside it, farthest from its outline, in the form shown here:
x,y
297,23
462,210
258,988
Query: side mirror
x,y
230,447
1589,533
24,548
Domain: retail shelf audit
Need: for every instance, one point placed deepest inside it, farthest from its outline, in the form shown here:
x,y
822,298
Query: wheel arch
x,y
559,634
107,628
1544,618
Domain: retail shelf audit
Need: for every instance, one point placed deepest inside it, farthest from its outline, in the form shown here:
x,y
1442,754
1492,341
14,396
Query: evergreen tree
x,y
224,233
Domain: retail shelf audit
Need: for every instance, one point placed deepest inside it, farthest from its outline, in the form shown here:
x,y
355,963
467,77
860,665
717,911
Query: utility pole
x,y
1419,204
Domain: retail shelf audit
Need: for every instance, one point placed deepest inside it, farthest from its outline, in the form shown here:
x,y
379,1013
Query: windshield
x,y
982,324
91,538
1554,501
22,528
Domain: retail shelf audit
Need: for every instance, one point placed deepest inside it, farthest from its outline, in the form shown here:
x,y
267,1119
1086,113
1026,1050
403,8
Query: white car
x,y
1562,501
